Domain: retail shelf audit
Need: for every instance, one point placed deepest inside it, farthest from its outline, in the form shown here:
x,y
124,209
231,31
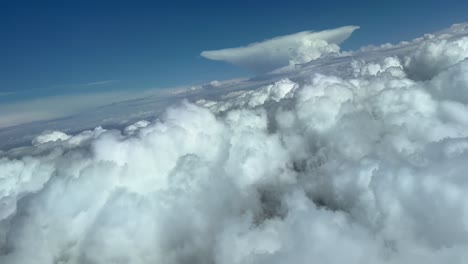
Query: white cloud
x,y
281,51
215,83
50,136
359,165
452,84
434,56
55,107
132,129
250,99
102,82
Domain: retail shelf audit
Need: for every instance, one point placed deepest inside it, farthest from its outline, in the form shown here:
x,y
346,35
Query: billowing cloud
x,y
282,51
360,164
434,56
50,136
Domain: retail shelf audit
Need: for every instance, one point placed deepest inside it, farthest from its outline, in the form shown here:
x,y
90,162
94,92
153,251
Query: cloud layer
x,y
361,164
282,51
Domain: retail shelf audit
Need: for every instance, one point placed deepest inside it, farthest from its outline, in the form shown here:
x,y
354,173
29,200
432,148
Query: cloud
x,y
102,82
47,108
132,129
452,84
50,136
282,51
359,165
251,99
87,103
434,56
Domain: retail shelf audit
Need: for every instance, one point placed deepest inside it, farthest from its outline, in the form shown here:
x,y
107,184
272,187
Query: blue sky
x,y
60,47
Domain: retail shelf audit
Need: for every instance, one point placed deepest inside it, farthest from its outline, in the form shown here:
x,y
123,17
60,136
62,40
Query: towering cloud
x,y
281,51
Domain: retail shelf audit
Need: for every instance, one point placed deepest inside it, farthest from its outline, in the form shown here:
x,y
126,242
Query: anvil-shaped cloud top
x,y
284,50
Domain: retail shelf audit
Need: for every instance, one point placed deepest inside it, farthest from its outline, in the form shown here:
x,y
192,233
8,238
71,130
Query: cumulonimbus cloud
x,y
284,50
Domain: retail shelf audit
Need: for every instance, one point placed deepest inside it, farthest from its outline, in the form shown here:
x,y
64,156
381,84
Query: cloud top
x,y
340,169
284,50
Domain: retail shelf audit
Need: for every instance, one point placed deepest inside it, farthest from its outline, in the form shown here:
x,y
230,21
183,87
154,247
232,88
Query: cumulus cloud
x,y
250,99
132,129
50,136
434,56
364,164
452,84
282,51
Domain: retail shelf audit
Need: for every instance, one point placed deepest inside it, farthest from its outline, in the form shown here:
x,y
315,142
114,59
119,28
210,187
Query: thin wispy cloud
x,y
87,84
56,106
101,82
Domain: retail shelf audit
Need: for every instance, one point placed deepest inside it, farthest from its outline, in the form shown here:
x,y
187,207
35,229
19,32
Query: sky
x,y
52,48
